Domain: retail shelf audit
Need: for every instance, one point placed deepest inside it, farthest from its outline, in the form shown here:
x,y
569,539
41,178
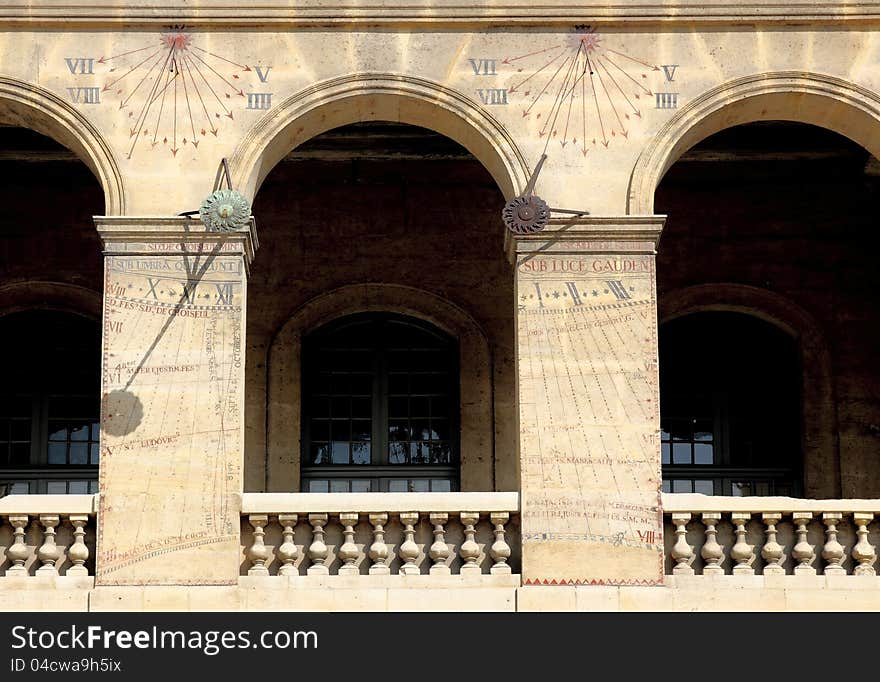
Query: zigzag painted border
x,y
594,581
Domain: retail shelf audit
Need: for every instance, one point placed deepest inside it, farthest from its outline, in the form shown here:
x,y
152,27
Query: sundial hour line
x,y
171,84
581,67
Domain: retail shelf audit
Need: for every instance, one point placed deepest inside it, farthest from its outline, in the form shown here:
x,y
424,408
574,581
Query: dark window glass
x,y
49,406
378,415
730,406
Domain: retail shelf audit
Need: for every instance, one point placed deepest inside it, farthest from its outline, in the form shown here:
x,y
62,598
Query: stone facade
x,y
559,503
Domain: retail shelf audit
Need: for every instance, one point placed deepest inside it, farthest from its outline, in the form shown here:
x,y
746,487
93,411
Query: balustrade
x,y
795,533
47,534
438,534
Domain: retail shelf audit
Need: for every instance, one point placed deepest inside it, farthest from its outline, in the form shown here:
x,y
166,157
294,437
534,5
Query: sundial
x,y
174,93
583,92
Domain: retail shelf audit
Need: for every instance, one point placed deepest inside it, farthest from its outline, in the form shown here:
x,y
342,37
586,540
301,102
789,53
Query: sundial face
x,y
584,93
581,93
173,93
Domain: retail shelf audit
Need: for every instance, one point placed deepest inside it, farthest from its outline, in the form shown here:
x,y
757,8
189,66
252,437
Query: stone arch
x,y
284,380
42,295
822,475
377,97
816,99
30,106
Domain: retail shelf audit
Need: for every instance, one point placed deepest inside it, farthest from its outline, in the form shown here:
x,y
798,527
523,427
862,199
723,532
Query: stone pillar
x,y
172,432
588,402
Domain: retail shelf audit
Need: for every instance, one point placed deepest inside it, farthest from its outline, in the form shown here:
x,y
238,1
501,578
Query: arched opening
x,y
50,257
385,218
364,97
729,395
379,400
776,219
27,106
49,406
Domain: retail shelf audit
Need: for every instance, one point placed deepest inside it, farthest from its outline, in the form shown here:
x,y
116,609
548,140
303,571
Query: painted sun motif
x,y
584,93
176,95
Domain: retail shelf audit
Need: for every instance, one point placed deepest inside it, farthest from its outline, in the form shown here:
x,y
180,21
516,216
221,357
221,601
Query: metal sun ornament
x,y
528,213
225,210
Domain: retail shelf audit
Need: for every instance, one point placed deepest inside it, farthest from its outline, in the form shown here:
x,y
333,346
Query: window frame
x,y
381,473
38,474
725,476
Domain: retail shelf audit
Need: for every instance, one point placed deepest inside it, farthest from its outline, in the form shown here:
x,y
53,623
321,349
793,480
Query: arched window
x,y
380,406
49,402
729,406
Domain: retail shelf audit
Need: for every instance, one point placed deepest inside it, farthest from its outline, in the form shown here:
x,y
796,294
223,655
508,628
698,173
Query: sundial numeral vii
x,y
80,65
483,67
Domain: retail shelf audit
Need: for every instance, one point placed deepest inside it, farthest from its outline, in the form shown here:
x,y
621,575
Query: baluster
x,y
49,552
803,551
772,552
287,551
500,550
863,552
318,550
348,552
258,553
409,550
742,552
712,552
682,552
78,553
379,550
18,550
470,550
833,552
439,552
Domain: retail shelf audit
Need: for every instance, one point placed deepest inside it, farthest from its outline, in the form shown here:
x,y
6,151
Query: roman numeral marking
x,y
80,65
574,293
647,536
259,100
666,100
540,297
262,75
669,70
617,288
493,95
189,292
85,95
224,294
153,284
483,67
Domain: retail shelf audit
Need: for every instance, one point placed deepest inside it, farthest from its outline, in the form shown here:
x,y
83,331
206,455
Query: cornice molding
x,y
623,235
319,13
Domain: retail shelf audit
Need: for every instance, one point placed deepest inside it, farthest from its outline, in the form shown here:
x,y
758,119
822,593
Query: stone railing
x,y
375,534
48,535
769,536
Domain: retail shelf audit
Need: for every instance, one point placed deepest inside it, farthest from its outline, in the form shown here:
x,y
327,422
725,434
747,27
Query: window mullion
x,y
380,397
40,429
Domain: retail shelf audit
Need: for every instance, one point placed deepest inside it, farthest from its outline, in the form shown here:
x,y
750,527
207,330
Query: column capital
x,y
624,234
170,235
